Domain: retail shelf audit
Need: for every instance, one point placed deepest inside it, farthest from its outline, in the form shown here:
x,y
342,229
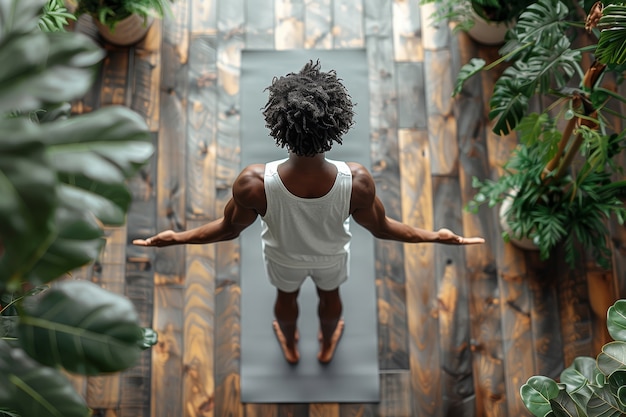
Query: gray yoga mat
x,y
266,377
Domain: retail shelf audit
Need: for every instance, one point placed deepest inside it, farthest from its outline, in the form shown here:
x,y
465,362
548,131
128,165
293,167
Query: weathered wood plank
x,y
293,410
453,296
395,394
318,24
259,24
261,410
228,290
146,76
203,17
442,132
109,272
357,410
347,27
115,77
576,315
542,277
411,96
199,330
421,286
407,31
135,387
228,338
289,24
392,335
202,128
323,410
167,364
138,285
434,36
171,173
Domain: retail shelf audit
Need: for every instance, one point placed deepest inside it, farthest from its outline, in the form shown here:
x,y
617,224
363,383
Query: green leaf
x,y
468,70
27,186
577,378
603,403
617,385
564,406
45,67
18,17
536,394
78,240
508,103
83,328
612,358
150,338
616,320
30,389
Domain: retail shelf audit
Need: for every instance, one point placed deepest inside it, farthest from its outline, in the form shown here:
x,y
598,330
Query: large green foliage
x,y
587,387
561,178
62,177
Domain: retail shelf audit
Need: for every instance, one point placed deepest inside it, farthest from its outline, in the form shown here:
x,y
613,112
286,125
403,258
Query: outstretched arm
x,y
369,212
240,212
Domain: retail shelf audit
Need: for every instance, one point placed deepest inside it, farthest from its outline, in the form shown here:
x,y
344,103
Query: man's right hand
x,y
165,238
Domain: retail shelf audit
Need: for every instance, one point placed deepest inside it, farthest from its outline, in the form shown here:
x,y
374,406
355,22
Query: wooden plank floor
x,y
460,329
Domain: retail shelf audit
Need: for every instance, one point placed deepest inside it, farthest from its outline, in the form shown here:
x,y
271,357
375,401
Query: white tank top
x,y
306,232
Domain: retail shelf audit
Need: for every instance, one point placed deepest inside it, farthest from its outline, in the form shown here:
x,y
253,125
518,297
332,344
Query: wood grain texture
x,y
442,133
199,330
167,363
171,174
421,285
546,330
204,17
293,410
411,95
146,76
484,301
201,143
576,315
392,335
318,24
289,24
115,74
347,30
515,297
407,31
453,296
109,272
323,410
434,35
395,393
259,25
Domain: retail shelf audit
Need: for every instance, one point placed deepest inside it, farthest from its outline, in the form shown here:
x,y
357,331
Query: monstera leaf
x,y
83,328
27,186
29,389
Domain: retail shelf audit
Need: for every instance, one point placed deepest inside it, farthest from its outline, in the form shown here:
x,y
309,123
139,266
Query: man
x,y
305,202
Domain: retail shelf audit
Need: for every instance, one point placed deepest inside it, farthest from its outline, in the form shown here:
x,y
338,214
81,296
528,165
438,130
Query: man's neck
x,y
306,162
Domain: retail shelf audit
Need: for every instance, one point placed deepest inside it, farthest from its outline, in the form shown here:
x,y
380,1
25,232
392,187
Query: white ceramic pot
x,y
522,243
486,32
127,32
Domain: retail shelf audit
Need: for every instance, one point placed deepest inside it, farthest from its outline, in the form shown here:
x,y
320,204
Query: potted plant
x,y
486,21
122,22
589,386
562,181
54,16
62,178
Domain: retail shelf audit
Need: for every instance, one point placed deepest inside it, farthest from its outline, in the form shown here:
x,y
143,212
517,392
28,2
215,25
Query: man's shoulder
x,y
363,187
248,188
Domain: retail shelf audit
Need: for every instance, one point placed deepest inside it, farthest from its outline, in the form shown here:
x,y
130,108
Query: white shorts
x,y
290,279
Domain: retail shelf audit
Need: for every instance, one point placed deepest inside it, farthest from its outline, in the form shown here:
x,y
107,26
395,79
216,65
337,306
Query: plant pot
x,y
487,32
523,242
127,31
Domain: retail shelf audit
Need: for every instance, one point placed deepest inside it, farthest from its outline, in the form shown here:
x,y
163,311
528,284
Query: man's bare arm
x,y
240,212
369,212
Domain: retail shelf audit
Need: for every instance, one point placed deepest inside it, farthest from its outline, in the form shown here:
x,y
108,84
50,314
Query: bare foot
x,y
326,352
291,354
